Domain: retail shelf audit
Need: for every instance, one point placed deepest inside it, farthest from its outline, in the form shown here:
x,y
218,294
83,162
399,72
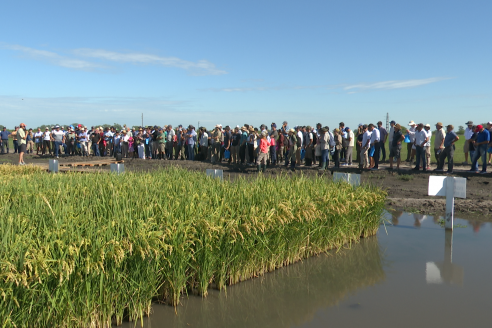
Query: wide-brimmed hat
x,y
469,123
427,125
397,126
292,130
243,128
251,129
439,124
411,123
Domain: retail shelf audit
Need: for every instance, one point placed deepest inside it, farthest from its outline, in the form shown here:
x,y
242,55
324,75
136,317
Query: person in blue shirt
x,y
448,151
480,143
4,137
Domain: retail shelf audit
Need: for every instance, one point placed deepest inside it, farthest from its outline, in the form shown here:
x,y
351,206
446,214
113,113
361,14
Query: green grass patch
x,y
405,177
83,250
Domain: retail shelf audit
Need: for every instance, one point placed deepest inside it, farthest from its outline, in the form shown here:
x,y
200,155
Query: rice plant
x,y
91,250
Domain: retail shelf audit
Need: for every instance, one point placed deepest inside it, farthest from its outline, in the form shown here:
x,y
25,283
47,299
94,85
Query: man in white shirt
x,y
375,139
350,146
47,141
421,139
59,138
427,146
468,134
366,142
299,148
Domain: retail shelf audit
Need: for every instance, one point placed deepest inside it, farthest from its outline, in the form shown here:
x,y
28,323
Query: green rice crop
x,y
90,250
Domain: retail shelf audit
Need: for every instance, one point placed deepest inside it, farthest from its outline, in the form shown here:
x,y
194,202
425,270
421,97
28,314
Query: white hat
x,y
427,125
411,123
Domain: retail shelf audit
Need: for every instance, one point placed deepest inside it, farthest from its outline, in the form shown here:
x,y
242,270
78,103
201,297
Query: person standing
x,y
38,140
410,145
309,147
47,141
273,143
59,139
263,152
338,147
21,139
395,146
108,137
366,143
324,146
383,135
358,144
420,140
439,141
216,138
292,144
227,136
375,139
169,141
350,145
29,142
236,139
468,135
190,144
481,144
427,146
95,138
448,151
299,145
15,140
5,140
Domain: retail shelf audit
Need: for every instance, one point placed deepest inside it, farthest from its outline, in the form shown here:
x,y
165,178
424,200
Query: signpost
x,y
353,179
450,187
53,166
215,174
117,168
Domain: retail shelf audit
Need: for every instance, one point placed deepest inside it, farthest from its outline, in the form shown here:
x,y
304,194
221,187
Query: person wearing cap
x,y
439,141
29,142
411,150
383,136
285,128
82,139
420,140
427,146
308,155
139,143
235,141
203,143
95,140
38,140
395,146
70,141
449,141
365,145
170,138
21,138
108,137
215,140
58,137
292,144
468,136
264,148
489,149
4,135
481,143
46,141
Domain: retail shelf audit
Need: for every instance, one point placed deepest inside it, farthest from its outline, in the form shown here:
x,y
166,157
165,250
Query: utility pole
x,y
387,122
142,120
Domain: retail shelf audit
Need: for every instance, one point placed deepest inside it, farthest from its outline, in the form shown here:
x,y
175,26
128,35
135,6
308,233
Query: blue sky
x,y
236,62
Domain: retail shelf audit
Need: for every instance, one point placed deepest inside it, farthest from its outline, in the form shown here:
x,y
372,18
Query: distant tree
x,y
403,130
461,130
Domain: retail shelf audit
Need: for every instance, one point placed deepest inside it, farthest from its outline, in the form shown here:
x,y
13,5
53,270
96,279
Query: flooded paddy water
x,y
412,274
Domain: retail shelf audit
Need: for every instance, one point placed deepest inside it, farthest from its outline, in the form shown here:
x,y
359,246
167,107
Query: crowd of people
x,y
248,145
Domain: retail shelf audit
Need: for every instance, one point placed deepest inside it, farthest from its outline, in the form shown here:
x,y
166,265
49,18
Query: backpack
x,y
298,141
332,139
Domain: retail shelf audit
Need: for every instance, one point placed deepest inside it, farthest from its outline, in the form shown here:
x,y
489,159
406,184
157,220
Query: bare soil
x,y
407,189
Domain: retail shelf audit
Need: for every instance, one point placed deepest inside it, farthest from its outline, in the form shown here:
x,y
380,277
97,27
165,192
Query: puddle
x,y
413,274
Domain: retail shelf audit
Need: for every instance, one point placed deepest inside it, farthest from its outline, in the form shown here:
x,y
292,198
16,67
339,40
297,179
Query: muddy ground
x,y
407,189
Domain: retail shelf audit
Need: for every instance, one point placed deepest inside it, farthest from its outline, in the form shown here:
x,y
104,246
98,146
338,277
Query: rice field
x,y
92,250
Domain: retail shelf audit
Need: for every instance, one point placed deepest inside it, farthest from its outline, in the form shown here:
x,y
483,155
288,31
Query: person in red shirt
x,y
263,153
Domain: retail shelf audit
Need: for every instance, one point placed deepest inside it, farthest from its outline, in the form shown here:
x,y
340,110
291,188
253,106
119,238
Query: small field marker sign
x,y
53,166
450,187
353,179
117,168
215,174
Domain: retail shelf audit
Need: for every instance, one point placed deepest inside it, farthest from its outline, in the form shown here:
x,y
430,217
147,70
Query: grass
x,y
405,177
88,250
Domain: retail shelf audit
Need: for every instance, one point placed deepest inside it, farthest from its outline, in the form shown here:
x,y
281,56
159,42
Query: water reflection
x,y
446,271
286,297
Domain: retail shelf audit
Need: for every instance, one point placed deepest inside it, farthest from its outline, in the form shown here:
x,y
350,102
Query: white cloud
x,y
54,58
201,67
355,88
395,84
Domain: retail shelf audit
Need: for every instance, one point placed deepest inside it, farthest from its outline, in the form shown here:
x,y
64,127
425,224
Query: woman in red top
x,y
263,153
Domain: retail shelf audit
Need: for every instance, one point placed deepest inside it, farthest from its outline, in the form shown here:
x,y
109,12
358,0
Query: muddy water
x,y
412,274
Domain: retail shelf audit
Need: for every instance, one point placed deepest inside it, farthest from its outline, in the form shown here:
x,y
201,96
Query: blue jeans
x,y
191,152
57,147
420,157
324,156
273,154
480,151
95,149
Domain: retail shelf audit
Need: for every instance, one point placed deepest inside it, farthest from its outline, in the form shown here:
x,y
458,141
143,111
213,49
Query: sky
x,y
236,62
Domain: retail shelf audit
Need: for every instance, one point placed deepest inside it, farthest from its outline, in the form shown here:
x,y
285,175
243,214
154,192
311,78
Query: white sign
x,y
215,174
437,186
117,168
53,166
353,179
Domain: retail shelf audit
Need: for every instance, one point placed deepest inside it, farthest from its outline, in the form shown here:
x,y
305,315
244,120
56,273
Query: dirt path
x,y
407,189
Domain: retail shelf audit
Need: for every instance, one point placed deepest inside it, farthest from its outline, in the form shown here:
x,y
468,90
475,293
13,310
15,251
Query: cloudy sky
x,y
236,62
